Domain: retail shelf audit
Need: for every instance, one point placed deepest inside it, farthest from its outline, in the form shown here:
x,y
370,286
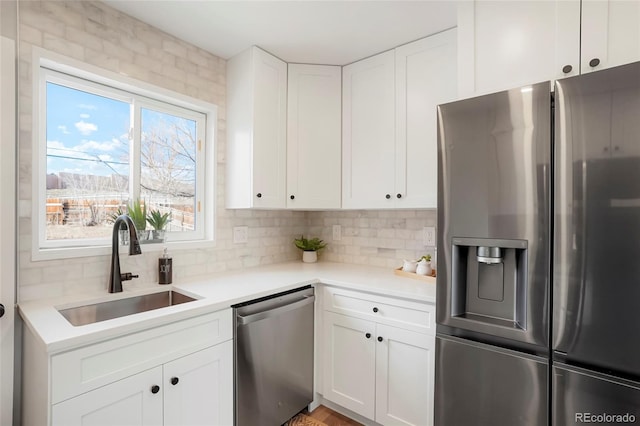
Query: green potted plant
x,y
137,211
158,221
122,230
309,247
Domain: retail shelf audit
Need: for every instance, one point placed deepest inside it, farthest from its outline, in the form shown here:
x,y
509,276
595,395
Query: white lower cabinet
x,y
380,371
350,363
128,401
198,389
405,367
179,373
192,390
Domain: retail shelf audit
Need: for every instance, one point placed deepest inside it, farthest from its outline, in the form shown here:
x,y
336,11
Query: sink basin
x,y
89,314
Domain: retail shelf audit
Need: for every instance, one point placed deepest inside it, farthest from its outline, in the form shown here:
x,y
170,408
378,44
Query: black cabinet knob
x,y
292,197
567,69
259,195
375,309
387,196
594,62
398,195
1,310
155,389
368,335
174,381
380,339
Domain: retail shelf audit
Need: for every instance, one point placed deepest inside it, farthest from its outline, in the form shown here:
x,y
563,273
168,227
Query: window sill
x,y
89,251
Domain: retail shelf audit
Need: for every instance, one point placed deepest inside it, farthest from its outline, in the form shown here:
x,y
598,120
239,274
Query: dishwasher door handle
x,y
243,320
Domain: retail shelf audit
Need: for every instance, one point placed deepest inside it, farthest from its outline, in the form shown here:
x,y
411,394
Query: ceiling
x,y
316,32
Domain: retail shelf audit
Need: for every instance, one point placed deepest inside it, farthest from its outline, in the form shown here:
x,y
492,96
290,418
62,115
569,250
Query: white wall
x,y
7,207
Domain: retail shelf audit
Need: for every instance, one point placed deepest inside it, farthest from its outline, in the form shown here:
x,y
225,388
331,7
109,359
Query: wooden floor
x,y
331,418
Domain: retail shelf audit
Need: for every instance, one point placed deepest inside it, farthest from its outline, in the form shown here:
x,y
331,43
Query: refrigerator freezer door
x,y
494,157
581,397
596,263
478,384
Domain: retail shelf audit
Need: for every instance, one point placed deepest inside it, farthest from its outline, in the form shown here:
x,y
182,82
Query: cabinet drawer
x,y
387,310
87,368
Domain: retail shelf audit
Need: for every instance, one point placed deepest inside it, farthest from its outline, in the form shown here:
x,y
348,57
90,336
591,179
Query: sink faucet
x,y
116,278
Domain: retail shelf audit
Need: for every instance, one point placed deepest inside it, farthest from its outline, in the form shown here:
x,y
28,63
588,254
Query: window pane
x,y
87,162
168,167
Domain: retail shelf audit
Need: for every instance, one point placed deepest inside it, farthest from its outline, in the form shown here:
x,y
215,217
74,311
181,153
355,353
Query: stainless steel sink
x,y
88,314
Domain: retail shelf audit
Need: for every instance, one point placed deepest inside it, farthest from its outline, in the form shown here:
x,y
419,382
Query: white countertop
x,y
216,292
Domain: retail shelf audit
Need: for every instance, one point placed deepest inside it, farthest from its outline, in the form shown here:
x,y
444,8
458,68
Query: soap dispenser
x,y
165,273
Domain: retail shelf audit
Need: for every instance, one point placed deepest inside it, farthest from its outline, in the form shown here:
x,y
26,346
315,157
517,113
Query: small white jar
x,y
409,265
424,267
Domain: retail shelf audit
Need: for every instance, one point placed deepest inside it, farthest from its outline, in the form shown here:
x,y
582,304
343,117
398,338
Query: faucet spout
x,y
115,278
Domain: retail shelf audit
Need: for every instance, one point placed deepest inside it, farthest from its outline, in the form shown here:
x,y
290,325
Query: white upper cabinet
x,y
610,33
508,44
389,141
256,130
425,78
368,132
314,136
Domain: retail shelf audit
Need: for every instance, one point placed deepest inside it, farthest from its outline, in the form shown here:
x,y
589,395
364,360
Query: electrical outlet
x,y
337,232
240,234
429,236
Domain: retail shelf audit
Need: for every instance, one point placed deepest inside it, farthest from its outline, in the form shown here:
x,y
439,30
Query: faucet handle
x,y
127,276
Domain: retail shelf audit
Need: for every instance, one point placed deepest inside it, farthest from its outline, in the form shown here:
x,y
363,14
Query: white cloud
x,y
85,115
64,129
86,128
55,144
85,106
99,146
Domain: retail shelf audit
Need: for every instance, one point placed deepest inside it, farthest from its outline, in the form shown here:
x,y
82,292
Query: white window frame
x,y
51,67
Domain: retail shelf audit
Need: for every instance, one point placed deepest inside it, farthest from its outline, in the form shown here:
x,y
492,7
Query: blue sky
x,y
86,133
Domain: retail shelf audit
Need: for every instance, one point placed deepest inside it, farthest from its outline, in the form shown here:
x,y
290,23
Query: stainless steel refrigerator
x,y
596,250
539,254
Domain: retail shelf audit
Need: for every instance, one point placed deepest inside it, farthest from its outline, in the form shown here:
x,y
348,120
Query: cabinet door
x,y
425,77
314,136
504,45
269,130
349,363
405,367
610,33
368,132
198,388
127,402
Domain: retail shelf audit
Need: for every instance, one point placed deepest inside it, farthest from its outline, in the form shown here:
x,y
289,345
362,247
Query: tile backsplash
x,y
96,34
373,237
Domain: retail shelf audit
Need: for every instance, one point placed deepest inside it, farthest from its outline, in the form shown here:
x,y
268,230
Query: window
x,y
103,148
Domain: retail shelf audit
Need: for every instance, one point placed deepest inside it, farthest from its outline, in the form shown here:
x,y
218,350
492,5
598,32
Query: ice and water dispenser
x,y
489,280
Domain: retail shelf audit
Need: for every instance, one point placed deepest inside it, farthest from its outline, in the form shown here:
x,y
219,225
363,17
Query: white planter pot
x,y
309,256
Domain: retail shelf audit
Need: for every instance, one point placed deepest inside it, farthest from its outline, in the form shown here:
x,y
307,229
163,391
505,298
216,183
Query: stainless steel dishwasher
x,y
273,350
